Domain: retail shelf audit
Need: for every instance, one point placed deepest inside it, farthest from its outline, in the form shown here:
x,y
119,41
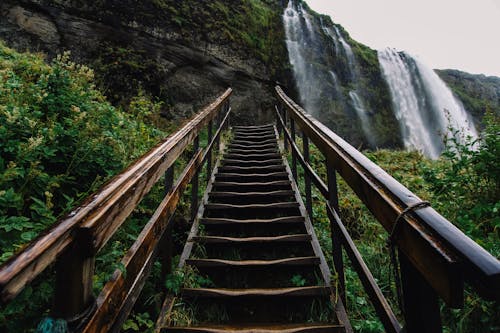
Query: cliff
x,y
478,93
181,52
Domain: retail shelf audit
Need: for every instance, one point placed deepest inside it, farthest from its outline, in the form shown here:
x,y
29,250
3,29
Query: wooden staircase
x,y
256,246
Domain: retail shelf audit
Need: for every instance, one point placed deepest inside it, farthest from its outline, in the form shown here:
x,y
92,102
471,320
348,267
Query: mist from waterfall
x,y
424,106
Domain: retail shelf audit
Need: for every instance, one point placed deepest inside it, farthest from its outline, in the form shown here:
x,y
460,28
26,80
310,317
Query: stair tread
x,y
255,292
271,183
287,219
297,261
250,175
268,161
275,205
266,328
220,194
268,239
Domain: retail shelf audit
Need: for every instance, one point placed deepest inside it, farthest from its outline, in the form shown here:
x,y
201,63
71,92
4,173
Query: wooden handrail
x,y
83,232
434,247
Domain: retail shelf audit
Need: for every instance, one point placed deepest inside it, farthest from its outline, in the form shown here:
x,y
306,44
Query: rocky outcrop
x,y
184,68
476,91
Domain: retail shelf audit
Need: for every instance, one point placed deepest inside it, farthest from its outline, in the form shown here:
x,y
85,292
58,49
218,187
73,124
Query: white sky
x,y
460,34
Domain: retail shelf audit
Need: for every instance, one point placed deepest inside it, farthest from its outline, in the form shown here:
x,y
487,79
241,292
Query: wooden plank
x,y
251,162
235,240
225,194
114,293
297,261
253,143
382,307
251,175
271,145
253,151
272,328
99,208
285,220
243,185
275,205
426,237
266,168
263,156
256,292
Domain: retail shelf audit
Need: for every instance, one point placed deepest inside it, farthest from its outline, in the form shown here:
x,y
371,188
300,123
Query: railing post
x,y
294,155
307,178
194,183
209,156
285,139
333,200
278,123
420,301
74,288
165,245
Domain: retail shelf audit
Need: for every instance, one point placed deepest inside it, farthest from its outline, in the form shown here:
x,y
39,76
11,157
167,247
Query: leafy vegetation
x,y
59,140
463,185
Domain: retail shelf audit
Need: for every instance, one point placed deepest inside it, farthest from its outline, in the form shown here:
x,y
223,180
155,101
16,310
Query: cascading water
x,y
301,41
424,106
363,116
298,40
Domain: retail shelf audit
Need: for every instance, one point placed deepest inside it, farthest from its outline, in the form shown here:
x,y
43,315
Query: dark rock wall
x,y
138,46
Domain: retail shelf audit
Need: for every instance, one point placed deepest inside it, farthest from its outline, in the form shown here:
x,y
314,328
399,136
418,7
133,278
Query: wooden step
x,y
256,292
251,195
251,175
298,261
249,143
272,145
258,157
243,186
267,328
255,137
278,220
249,163
248,240
253,151
253,169
275,205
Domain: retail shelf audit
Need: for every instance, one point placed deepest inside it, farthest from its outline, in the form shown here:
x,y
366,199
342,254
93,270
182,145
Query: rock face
x,y
477,92
140,46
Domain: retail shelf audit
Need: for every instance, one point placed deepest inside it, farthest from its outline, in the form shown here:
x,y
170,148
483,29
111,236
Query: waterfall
x,y
298,42
363,116
316,94
423,104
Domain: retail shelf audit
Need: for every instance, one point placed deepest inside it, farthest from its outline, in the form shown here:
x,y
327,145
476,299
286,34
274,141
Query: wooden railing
x,y
435,258
73,243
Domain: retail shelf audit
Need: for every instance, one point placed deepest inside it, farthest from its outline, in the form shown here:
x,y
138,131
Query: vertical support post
x,y
194,182
307,178
279,111
285,139
420,301
294,155
165,251
74,277
209,157
333,200
217,125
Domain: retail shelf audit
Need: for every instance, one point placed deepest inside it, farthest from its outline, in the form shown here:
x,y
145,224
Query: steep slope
x,y
477,92
183,53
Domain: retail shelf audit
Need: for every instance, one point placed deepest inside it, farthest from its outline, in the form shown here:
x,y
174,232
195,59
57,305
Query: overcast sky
x,y
460,34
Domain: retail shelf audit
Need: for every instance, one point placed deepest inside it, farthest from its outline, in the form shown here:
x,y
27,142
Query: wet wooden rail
x,y
73,243
435,257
